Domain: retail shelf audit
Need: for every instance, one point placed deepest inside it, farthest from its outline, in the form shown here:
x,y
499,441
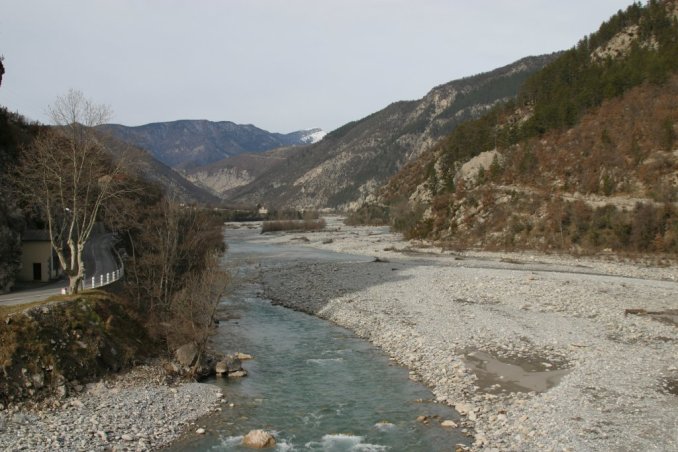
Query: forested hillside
x,y
584,159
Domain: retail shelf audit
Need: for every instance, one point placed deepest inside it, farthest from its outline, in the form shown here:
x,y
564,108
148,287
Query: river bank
x,y
65,383
537,352
134,410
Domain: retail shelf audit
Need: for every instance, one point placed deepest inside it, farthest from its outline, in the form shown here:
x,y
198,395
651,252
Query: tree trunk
x,y
77,274
74,284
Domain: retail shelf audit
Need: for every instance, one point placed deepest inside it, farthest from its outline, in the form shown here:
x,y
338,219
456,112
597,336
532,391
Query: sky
x,y
282,65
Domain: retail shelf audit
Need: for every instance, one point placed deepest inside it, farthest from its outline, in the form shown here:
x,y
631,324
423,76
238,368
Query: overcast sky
x,y
282,65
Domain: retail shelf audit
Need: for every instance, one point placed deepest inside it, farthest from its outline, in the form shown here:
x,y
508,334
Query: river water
x,y
316,385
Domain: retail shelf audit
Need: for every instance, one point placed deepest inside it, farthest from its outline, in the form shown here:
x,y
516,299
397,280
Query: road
x,y
98,260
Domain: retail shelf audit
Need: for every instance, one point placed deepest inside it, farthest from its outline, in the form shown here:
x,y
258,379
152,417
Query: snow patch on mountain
x,y
313,136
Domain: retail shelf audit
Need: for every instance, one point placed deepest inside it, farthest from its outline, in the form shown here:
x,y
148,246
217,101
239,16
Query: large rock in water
x,y
233,363
187,354
221,368
258,439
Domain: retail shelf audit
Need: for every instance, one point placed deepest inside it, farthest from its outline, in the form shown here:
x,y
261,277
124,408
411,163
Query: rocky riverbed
x,y
134,411
537,352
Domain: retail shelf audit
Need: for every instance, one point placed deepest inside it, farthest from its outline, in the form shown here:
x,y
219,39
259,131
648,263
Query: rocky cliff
x,y
222,177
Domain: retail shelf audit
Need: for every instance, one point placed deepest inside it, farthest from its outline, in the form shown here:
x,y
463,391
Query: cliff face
x,y
222,177
350,163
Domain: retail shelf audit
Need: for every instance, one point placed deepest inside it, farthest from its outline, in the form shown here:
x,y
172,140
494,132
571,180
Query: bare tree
x,y
69,174
193,308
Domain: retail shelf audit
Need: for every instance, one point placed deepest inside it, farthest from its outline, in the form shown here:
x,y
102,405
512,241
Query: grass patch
x,y
13,309
293,225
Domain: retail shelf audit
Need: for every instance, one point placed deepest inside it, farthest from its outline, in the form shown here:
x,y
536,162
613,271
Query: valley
x,y
490,264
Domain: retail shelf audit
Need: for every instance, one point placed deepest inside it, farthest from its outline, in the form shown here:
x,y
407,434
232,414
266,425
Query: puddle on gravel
x,y
513,374
670,385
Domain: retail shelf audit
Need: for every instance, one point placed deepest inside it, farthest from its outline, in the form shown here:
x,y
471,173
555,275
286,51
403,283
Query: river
x,y
314,384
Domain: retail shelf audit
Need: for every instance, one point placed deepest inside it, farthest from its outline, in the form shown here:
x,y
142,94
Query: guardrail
x,y
103,279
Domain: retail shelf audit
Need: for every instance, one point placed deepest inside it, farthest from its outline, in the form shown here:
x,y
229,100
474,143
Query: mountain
x,y
305,136
350,163
175,186
225,176
585,159
189,143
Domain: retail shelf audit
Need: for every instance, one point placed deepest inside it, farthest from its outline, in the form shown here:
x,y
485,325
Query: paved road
x,y
98,259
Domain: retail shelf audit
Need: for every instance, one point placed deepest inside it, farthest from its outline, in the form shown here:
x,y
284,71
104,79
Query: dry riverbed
x,y
537,352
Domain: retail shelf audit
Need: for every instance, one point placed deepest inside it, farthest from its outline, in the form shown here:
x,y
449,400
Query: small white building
x,y
39,262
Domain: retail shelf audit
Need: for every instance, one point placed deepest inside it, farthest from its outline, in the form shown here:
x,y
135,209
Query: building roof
x,y
35,235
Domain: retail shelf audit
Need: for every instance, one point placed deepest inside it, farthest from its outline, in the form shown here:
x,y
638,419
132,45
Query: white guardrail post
x,y
111,277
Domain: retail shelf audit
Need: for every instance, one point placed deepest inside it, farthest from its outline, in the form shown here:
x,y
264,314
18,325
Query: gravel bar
x,y
133,411
537,352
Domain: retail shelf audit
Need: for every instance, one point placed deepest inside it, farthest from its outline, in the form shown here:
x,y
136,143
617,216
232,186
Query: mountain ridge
x,y
188,143
351,162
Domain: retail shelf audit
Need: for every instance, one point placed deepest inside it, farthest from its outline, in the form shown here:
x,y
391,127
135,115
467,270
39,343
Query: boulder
x,y
187,354
464,408
221,368
61,392
38,380
258,439
203,370
171,368
233,363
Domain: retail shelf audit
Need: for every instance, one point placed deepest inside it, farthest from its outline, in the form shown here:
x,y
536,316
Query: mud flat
x,y
537,352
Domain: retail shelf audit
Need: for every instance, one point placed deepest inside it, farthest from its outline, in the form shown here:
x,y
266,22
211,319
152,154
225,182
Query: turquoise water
x,y
316,385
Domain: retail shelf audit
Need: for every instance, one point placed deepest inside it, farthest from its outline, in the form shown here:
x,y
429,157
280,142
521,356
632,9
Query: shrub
x,y
368,215
293,225
291,214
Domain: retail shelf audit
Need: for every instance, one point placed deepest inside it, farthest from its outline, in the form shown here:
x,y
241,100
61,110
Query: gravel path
x,y
132,411
490,332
